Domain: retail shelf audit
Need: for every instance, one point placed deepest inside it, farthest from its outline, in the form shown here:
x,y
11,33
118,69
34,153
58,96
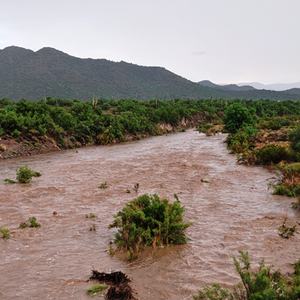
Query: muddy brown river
x,y
235,210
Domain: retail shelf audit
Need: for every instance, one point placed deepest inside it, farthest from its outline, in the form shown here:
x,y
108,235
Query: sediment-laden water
x,y
229,213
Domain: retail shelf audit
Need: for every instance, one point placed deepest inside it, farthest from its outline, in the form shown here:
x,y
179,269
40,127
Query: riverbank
x,y
33,143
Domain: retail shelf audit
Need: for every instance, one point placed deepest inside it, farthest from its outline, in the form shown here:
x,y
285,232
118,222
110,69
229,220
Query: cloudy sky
x,y
225,41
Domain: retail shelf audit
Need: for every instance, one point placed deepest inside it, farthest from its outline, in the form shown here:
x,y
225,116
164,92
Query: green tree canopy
x,y
238,116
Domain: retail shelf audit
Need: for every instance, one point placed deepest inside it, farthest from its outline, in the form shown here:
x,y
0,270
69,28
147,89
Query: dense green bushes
x,y
55,117
148,220
238,116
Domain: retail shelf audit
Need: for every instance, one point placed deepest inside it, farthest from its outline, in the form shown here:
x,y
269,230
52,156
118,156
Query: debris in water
x,y
118,282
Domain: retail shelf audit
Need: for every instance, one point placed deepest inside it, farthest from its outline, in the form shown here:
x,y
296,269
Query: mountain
x,y
50,72
249,92
228,87
273,87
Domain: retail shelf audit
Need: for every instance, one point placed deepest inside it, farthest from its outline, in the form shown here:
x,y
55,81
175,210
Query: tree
x,y
238,116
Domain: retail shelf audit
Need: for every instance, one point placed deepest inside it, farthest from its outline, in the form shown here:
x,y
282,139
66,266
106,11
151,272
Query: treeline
x,y
115,117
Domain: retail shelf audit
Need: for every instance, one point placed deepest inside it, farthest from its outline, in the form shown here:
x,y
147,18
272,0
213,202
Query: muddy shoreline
x,y
229,213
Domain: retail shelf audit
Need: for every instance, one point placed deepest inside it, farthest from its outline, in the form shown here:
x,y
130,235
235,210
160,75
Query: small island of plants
x,y
149,221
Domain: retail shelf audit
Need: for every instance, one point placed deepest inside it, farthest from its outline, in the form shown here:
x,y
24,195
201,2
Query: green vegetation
x,y
90,216
290,185
147,221
9,181
33,222
24,174
5,232
23,225
103,185
238,116
294,137
205,181
93,228
262,284
95,289
127,191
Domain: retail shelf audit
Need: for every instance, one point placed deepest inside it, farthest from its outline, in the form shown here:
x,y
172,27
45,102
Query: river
x,y
229,214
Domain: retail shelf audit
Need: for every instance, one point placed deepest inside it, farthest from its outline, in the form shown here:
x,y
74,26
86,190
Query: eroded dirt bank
x,y
54,261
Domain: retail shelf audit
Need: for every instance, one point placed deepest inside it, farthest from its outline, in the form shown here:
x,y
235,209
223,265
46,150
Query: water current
x,y
229,213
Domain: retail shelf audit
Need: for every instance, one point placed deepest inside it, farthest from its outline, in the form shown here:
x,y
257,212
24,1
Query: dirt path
x,y
54,261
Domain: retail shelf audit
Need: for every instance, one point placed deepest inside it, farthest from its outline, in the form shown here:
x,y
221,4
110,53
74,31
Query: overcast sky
x,y
225,41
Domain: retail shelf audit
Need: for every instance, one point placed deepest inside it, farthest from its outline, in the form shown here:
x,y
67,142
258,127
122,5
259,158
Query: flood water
x,y
54,261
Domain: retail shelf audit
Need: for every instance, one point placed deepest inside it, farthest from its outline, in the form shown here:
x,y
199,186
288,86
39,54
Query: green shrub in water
x,y
259,285
24,174
147,221
33,223
290,185
5,232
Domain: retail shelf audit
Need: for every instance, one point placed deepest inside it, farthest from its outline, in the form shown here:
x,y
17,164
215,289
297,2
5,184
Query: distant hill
x,y
228,87
273,87
49,72
249,92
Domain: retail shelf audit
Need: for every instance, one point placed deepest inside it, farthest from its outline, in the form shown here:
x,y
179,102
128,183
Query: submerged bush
x,y
5,232
147,221
33,222
290,185
262,284
24,174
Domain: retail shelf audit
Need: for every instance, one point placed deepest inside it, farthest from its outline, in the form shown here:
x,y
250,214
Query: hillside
x,y
49,72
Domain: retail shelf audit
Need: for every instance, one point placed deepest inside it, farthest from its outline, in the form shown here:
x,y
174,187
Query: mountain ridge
x,y
50,72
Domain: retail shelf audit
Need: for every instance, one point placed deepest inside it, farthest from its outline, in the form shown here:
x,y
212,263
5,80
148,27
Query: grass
x,y
95,289
128,191
103,185
149,221
90,216
5,232
205,181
